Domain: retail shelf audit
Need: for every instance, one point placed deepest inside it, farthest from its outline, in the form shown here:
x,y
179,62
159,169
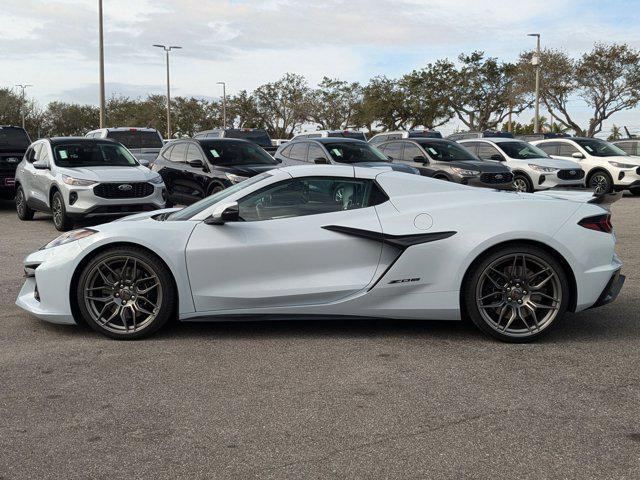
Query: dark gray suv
x,y
448,160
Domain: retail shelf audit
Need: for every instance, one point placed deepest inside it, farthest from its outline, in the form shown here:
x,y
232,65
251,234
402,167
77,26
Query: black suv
x,y
259,136
196,168
487,133
14,141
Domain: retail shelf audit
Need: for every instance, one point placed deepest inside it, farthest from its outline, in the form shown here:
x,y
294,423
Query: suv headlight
x,y
622,165
465,172
157,180
235,178
540,168
77,182
69,237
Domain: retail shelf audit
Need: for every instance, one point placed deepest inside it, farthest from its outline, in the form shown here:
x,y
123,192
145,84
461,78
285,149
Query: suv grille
x,y
493,178
123,190
571,174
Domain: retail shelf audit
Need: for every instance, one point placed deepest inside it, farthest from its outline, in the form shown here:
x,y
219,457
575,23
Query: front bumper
x,y
625,178
477,182
83,202
611,290
551,180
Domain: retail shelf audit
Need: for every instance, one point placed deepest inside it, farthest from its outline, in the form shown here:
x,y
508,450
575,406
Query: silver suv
x,y
143,143
84,177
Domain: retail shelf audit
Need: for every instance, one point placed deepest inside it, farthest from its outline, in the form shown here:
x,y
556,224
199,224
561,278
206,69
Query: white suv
x,y
532,168
84,177
607,167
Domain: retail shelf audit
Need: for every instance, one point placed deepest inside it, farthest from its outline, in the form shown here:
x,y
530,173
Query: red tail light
x,y
600,223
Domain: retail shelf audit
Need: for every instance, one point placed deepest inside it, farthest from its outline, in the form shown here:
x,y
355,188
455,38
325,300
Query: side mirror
x,y
577,155
228,212
279,160
420,159
320,161
390,158
41,165
197,163
497,157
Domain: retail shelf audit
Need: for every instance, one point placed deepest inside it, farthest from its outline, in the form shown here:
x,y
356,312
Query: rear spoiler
x,y
606,199
584,196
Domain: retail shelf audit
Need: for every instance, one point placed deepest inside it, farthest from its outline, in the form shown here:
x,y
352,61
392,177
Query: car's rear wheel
x,y
516,293
61,220
22,209
522,184
126,293
600,182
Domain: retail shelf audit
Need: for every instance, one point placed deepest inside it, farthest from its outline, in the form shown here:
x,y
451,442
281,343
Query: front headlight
x,y
464,172
540,168
235,178
69,237
157,179
77,182
622,165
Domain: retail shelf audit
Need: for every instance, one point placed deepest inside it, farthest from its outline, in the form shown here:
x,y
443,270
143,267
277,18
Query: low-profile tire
x,y
215,189
22,209
516,293
61,220
125,293
601,182
522,183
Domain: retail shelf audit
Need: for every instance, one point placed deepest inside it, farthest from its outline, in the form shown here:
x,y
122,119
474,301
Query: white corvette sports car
x,y
321,240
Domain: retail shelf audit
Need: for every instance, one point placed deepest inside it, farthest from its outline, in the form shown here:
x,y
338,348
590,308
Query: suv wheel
x,y
61,220
23,210
600,182
522,184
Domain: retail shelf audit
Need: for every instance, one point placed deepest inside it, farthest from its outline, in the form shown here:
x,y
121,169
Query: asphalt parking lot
x,y
381,399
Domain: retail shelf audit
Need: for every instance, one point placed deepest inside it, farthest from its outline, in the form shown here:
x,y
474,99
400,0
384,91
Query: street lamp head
x,y
161,46
220,83
533,35
175,47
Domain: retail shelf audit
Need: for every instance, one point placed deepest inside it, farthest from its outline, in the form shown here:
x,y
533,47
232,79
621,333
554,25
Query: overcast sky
x,y
53,44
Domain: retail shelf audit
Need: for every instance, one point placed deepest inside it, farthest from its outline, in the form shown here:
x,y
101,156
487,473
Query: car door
x,y
174,168
414,156
38,194
195,177
283,254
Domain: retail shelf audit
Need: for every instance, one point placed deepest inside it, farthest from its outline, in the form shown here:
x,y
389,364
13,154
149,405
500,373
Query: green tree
x,y
616,133
334,103
283,105
424,96
69,119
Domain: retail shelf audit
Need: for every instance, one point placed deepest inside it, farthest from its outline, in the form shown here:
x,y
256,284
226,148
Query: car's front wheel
x,y
61,220
522,184
126,293
600,182
516,293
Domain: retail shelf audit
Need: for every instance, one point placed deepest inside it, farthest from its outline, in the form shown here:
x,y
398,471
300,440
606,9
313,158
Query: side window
x,y
471,146
178,152
486,151
550,148
627,147
286,151
314,135
637,148
30,155
299,197
213,135
44,153
193,153
412,151
566,150
37,149
299,151
167,153
394,150
316,151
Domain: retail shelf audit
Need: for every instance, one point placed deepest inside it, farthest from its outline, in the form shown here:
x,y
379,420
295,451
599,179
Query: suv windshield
x,y
354,152
447,152
13,137
259,137
236,153
192,210
136,138
600,148
92,154
521,150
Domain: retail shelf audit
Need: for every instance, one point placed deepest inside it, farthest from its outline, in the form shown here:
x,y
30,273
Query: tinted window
x,y
521,150
599,148
178,152
299,151
485,151
412,151
193,153
447,151
550,148
566,150
167,152
92,154
393,150
308,196
286,151
628,147
13,137
316,151
235,153
425,134
136,138
259,137
348,134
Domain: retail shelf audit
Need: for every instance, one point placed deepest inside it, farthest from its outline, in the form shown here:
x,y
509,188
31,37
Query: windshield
x,y
260,137
600,148
136,138
521,150
236,153
192,210
93,154
348,134
354,152
447,152
12,137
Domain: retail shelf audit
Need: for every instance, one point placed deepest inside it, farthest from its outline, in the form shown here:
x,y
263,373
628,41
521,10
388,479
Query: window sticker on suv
x,y
214,152
63,154
336,152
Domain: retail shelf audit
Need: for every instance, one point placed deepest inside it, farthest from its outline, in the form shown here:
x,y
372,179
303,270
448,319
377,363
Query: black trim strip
x,y
400,241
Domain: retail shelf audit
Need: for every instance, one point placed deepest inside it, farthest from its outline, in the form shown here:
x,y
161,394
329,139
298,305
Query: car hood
x,y
248,170
110,174
620,159
482,166
550,162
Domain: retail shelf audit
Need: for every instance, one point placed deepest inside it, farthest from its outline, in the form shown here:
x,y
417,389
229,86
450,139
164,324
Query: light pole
x,y
535,61
101,49
167,50
224,104
22,88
